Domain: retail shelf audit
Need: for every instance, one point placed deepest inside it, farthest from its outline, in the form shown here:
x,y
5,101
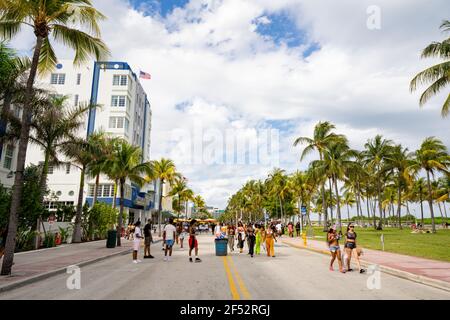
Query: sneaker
x,y
146,257
190,259
342,271
139,261
331,269
349,270
198,260
135,261
362,271
151,257
169,258
165,258
251,256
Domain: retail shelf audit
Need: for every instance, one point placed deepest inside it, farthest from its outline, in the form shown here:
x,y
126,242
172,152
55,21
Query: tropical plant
x,y
64,20
438,76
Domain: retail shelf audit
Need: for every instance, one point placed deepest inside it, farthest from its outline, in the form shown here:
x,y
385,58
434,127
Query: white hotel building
x,y
124,111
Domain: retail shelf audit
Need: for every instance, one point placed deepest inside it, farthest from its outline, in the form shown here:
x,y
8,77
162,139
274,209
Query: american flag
x,y
144,75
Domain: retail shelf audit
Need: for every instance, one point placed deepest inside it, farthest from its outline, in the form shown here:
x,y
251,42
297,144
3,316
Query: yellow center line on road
x,y
241,284
233,289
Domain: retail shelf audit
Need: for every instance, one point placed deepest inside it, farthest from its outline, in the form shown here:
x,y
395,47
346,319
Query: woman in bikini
x,y
241,237
333,244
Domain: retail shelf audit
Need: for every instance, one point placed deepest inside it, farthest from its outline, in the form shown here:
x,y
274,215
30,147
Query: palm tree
x,y
337,159
432,156
125,164
418,188
438,75
64,20
163,170
375,153
398,161
78,152
322,137
349,200
278,186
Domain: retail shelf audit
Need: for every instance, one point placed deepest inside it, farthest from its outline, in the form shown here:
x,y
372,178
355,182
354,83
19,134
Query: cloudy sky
x,y
248,65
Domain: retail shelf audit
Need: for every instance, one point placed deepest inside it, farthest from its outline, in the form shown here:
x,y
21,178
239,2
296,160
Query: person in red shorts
x,y
193,243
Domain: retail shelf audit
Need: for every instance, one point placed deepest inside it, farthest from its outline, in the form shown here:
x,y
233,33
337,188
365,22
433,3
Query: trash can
x,y
111,239
221,247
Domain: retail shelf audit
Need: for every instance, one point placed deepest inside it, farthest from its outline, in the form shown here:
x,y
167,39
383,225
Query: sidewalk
x,y
36,265
430,272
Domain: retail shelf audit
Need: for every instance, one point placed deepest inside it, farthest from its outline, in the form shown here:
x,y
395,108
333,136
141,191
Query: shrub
x,y
102,217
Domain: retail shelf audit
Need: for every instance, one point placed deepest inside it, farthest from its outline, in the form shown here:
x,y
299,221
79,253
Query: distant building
x,y
124,111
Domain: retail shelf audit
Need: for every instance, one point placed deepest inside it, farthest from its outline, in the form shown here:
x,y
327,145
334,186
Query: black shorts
x,y
350,245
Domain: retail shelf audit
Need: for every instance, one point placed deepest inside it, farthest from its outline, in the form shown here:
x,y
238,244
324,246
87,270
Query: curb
x,y
395,272
49,274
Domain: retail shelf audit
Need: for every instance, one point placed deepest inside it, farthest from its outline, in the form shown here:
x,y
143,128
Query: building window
x,y
50,168
9,152
118,101
71,193
67,168
118,122
76,100
120,80
78,79
58,78
91,190
103,190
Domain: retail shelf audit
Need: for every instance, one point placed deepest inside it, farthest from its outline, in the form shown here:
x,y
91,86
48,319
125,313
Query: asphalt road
x,y
292,274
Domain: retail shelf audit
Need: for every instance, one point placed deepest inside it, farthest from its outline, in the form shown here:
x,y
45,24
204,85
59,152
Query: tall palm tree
x,y
125,164
398,161
78,152
418,187
64,20
438,75
375,153
165,171
349,200
322,137
278,182
432,156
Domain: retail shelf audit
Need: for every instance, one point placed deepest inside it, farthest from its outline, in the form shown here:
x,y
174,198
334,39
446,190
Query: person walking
x,y
137,241
333,243
297,228
258,230
179,229
148,239
169,235
269,238
251,240
182,235
349,245
231,231
291,229
241,237
358,252
193,243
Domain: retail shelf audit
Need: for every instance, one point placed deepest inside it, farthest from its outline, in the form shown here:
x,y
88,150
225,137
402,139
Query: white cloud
x,y
208,58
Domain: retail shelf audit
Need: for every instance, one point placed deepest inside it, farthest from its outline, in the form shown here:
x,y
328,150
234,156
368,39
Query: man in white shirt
x,y
169,238
278,227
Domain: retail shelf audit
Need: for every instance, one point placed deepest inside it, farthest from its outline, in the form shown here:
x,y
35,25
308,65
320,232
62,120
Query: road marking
x,y
233,289
241,284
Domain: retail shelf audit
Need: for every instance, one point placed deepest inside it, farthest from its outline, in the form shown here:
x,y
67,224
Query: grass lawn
x,y
427,245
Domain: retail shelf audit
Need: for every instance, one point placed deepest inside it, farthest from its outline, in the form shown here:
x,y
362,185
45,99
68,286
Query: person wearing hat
x,y
333,244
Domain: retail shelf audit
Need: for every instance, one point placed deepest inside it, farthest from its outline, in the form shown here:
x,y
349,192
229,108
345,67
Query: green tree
x,y
64,20
322,137
438,75
432,156
126,164
163,170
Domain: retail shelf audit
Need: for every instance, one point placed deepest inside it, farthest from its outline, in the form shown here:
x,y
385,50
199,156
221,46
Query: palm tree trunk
x,y
324,203
116,186
338,200
281,208
399,205
421,206
122,195
10,245
430,202
97,182
380,207
348,214
331,200
77,228
440,210
43,189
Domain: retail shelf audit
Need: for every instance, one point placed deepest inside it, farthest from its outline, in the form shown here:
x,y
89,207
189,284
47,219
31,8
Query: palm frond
x,y
47,58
